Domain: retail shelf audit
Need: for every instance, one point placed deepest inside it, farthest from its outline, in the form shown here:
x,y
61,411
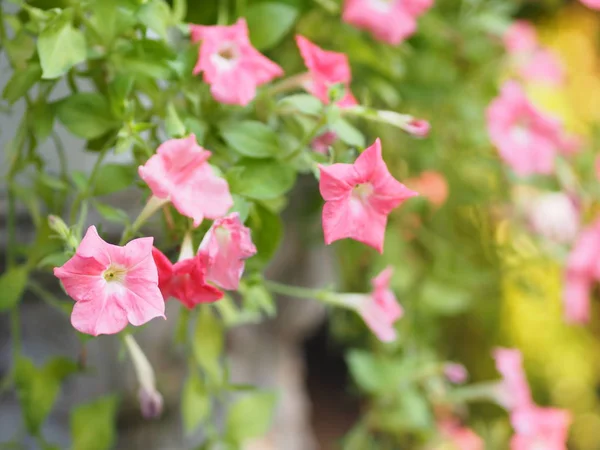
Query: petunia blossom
x,y
179,172
322,142
390,21
583,270
379,309
359,197
432,185
527,139
540,428
455,373
226,246
230,64
594,4
514,392
461,437
185,280
111,285
326,68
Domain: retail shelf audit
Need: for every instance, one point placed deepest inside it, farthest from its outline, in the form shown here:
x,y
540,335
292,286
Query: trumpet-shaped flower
x,y
540,428
390,21
359,197
111,285
325,68
226,246
230,64
179,172
185,280
515,391
527,139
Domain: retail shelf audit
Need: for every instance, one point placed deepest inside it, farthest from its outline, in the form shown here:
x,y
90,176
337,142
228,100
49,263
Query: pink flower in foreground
x,y
533,62
179,172
456,373
111,285
325,69
461,437
515,391
594,4
226,246
359,197
583,269
540,428
390,21
185,280
527,139
230,64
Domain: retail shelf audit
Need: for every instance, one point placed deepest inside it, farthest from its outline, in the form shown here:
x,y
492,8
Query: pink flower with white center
x,y
514,393
111,285
533,62
359,197
583,269
185,280
390,21
230,64
455,373
540,429
461,437
527,139
325,68
179,172
379,309
594,4
226,246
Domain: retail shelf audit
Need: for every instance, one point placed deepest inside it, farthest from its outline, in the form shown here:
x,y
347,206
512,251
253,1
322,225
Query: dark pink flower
x,y
325,68
179,172
390,21
527,139
359,197
230,64
540,428
111,285
185,280
226,246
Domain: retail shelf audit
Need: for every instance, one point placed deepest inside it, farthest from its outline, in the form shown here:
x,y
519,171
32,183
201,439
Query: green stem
x,y
223,13
47,296
295,291
15,331
307,139
153,205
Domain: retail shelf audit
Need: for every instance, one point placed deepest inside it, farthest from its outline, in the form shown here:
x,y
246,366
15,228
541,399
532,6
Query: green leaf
x,y
111,213
251,138
208,343
250,416
373,373
20,49
21,81
113,178
241,206
197,127
12,286
261,179
42,120
156,15
93,424
60,47
52,182
37,389
267,232
444,299
258,298
86,114
195,403
348,134
304,103
173,124
269,22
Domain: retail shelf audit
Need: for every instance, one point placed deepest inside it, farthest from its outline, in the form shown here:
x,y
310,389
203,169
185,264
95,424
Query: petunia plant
x,y
209,115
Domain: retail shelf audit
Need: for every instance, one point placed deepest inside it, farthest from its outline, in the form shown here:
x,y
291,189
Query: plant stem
x,y
307,139
152,205
294,291
47,296
223,13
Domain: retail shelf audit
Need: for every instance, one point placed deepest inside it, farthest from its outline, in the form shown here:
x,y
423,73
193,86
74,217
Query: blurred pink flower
x,y
359,197
326,68
390,21
455,373
583,269
527,139
179,172
111,285
540,428
594,4
230,64
185,280
554,216
226,245
514,393
461,437
321,143
418,127
521,36
430,184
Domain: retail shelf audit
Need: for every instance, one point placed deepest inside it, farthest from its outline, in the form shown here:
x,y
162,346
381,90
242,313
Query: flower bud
x,y
455,373
151,403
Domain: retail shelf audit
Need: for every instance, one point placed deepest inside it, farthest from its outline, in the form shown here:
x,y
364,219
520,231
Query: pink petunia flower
x,y
390,21
520,37
359,197
432,185
185,280
455,373
111,285
461,437
515,391
527,139
179,172
325,68
321,143
226,246
379,309
230,64
540,428
594,4
583,269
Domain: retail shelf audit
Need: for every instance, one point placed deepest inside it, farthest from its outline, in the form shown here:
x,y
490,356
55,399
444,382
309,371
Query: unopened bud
x,y
151,403
455,373
58,225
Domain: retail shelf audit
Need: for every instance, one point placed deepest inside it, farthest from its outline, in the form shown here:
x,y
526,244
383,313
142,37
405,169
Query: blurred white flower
x,y
554,216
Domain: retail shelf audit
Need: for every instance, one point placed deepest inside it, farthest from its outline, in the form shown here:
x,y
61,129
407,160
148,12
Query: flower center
x,y
381,5
362,191
226,56
114,274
